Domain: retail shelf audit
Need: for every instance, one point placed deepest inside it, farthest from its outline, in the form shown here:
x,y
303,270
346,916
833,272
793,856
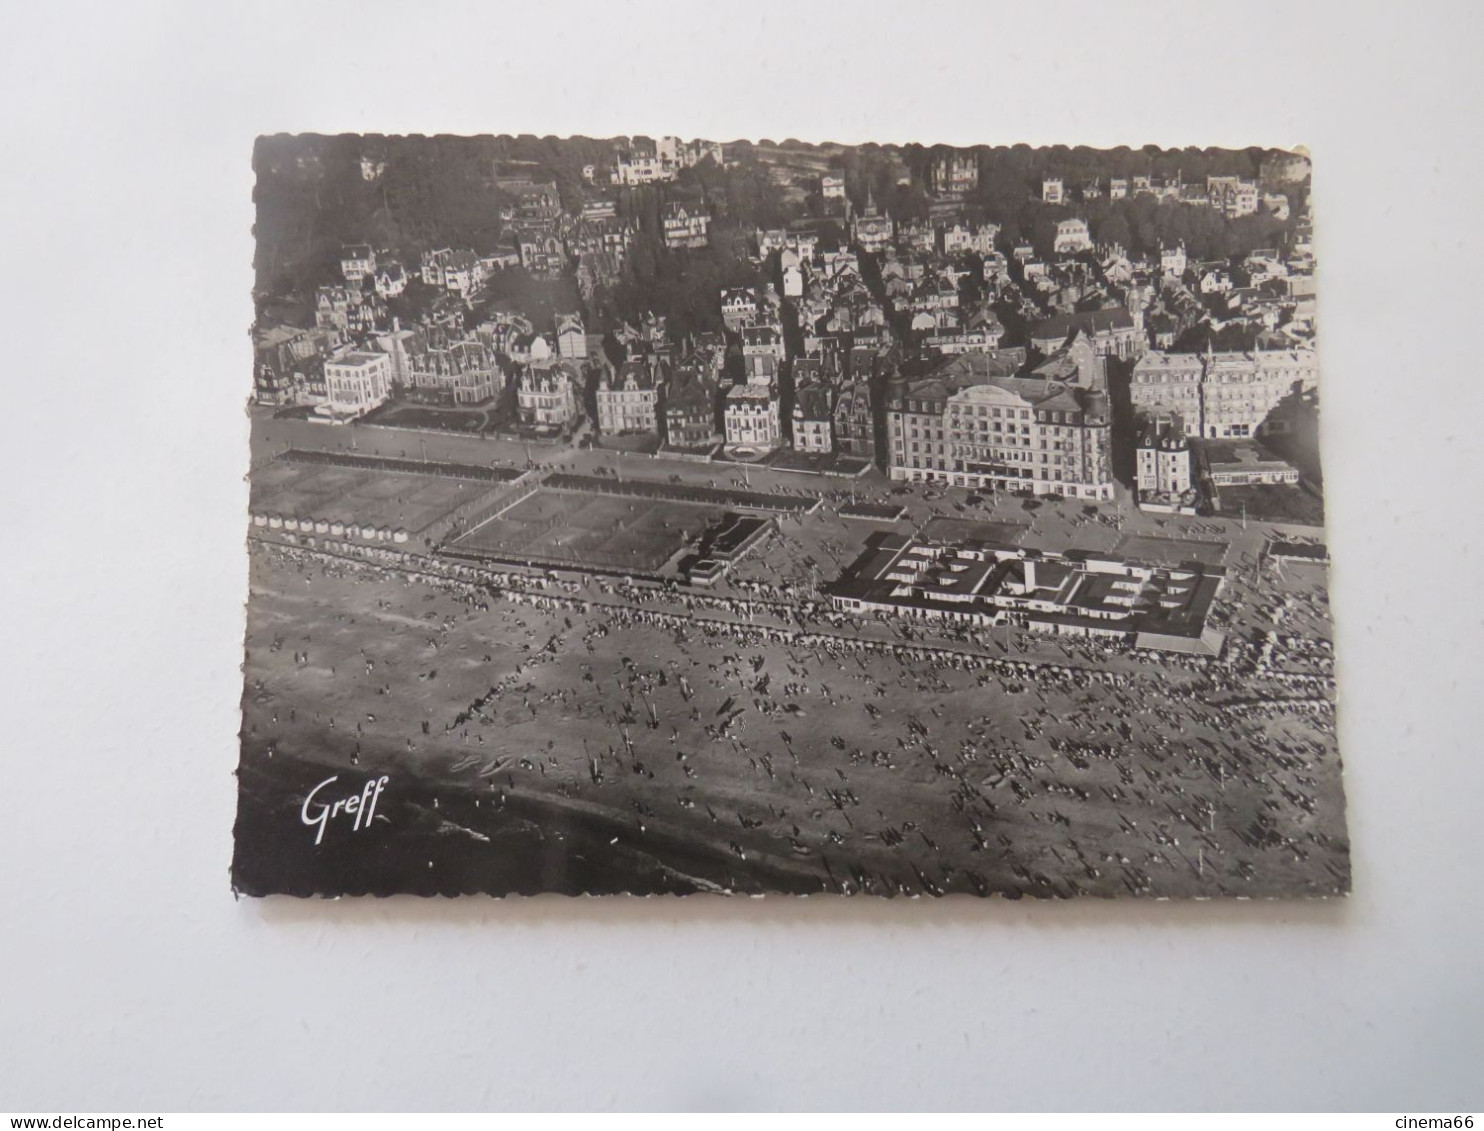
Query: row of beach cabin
x,y
292,524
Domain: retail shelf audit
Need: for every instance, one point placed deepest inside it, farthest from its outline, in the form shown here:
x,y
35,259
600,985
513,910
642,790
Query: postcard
x,y
659,516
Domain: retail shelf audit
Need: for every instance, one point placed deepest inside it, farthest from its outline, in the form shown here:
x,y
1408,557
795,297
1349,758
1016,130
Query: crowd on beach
x,y
880,757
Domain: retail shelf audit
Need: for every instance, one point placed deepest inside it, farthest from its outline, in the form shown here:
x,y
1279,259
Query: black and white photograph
x,y
673,558
664,515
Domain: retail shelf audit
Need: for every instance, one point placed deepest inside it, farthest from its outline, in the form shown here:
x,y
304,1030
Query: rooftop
x,y
760,393
1240,455
358,357
1092,321
1083,588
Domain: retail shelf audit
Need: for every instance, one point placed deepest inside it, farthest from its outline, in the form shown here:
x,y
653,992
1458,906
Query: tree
x,y
1113,229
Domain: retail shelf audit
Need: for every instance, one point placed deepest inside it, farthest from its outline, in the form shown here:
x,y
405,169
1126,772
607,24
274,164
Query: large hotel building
x,y
972,423
1223,395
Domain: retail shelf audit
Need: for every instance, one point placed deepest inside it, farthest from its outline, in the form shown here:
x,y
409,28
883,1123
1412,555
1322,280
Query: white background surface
x,y
130,979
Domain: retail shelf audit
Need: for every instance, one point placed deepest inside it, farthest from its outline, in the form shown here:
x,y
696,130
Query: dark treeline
x,y
444,191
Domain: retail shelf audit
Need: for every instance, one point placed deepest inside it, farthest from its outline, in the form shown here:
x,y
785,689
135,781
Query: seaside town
x,y
652,515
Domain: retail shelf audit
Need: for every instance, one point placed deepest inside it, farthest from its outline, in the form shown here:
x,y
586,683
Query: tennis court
x,y
355,496
614,531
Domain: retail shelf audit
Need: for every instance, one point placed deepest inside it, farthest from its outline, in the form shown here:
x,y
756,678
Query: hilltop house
x,y
1172,260
390,280
871,230
357,260
1072,236
685,227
